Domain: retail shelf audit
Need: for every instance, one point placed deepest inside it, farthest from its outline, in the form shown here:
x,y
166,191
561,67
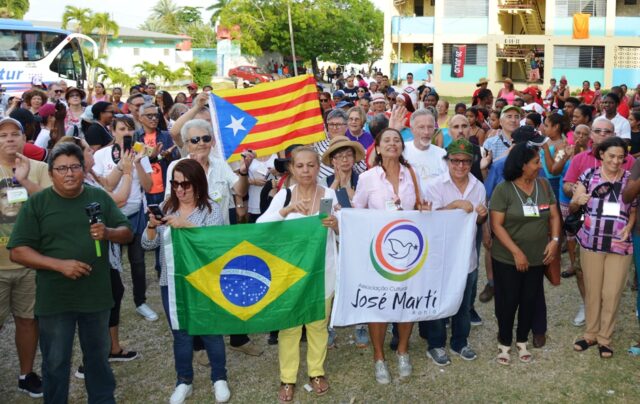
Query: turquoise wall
x,y
419,70
205,54
471,74
627,26
564,26
412,25
468,25
117,43
576,76
630,77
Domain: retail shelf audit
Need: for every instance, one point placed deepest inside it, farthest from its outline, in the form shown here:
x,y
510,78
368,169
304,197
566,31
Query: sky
x,y
127,13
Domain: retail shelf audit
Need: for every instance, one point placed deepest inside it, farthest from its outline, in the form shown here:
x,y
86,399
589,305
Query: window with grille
x,y
627,57
567,8
567,57
476,54
466,8
136,51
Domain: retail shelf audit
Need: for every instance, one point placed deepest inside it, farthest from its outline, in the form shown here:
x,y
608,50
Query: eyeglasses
x,y
357,119
152,117
603,131
184,184
343,156
74,95
336,125
463,162
205,139
324,100
58,91
64,169
392,99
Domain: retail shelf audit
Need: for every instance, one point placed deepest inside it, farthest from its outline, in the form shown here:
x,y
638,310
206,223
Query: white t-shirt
x,y
622,127
535,107
426,163
103,166
258,169
412,90
43,138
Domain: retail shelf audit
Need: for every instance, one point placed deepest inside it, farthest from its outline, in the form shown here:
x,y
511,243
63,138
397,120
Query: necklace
x,y
305,201
606,177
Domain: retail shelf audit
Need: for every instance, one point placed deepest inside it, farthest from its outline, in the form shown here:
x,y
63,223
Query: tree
x,y
153,25
80,16
217,9
188,15
13,8
202,35
147,69
102,25
201,71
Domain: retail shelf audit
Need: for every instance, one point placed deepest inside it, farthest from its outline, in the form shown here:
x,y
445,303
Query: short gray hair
x,y
338,113
146,106
66,149
603,119
421,112
195,123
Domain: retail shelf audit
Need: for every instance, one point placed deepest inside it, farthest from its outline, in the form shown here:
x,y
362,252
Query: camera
x,y
93,210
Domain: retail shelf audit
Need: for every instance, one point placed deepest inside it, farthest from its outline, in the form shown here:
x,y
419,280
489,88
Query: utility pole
x,y
293,46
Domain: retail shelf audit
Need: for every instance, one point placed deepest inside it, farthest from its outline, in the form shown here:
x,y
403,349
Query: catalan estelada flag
x,y
269,117
246,278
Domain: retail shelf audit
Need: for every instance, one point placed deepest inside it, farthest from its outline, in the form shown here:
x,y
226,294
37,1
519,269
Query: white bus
x,y
29,53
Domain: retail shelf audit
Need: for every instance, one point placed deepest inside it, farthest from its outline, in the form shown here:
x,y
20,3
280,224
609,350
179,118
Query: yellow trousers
x,y
289,348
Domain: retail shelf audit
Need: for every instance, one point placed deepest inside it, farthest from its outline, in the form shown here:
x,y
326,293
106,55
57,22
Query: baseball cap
x,y
192,85
12,121
508,108
460,146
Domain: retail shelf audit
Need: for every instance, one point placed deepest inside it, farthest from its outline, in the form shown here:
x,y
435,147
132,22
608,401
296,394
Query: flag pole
x,y
293,47
216,127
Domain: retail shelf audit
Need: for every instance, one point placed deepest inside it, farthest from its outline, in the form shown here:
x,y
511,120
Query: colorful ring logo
x,y
399,250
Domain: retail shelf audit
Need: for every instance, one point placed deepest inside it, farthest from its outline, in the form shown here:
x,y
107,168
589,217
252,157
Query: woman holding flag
x,y
304,199
389,185
188,205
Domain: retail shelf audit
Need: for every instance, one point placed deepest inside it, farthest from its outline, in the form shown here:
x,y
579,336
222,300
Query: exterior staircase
x,y
528,12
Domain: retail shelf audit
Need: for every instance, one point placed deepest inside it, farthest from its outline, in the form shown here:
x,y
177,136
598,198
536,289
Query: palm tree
x,y
217,9
147,69
104,26
153,25
13,8
81,17
164,8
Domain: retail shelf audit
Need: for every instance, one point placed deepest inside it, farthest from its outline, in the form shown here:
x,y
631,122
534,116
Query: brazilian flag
x,y
244,279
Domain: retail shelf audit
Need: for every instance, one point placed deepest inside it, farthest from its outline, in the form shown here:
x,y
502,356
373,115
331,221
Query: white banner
x,y
402,266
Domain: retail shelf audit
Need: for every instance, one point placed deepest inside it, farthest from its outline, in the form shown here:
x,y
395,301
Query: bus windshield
x,y
27,46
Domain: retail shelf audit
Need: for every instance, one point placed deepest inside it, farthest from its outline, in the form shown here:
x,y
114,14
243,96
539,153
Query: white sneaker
x,y
579,320
404,365
382,373
146,312
181,393
221,391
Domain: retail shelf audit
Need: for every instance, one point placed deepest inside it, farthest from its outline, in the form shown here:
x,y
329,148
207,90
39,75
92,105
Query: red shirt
x,y
623,109
588,96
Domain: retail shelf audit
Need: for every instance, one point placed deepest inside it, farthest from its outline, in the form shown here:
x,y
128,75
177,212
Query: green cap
x,y
460,146
508,108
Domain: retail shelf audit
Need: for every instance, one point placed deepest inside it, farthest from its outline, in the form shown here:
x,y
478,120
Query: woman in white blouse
x,y
301,200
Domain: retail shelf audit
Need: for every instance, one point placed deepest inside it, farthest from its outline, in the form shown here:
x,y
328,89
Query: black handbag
x,y
574,221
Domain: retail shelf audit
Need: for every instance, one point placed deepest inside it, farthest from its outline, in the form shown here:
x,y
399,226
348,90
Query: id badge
x,y
17,195
611,209
216,196
530,211
390,205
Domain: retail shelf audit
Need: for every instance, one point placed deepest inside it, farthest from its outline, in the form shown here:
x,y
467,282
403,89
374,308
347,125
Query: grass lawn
x,y
556,375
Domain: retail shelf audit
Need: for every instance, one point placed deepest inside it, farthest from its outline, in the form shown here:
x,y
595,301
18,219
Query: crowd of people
x,y
85,174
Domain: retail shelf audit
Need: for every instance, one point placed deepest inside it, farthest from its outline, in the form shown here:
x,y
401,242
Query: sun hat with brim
x,y
508,108
508,80
14,122
342,142
482,81
377,97
528,134
76,89
460,146
280,164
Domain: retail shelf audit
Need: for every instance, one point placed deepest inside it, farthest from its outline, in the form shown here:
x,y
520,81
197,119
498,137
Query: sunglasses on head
x,y
205,139
184,184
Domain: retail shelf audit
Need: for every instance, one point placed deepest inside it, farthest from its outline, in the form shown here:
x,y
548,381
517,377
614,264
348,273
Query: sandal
x,y
319,385
605,351
582,345
285,395
523,354
634,350
568,274
504,357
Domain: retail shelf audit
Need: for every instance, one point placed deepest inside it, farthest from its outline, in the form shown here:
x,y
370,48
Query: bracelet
x,y
151,227
243,175
239,205
556,239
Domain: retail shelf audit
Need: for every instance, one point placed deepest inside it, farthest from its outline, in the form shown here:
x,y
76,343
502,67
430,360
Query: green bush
x,y
202,71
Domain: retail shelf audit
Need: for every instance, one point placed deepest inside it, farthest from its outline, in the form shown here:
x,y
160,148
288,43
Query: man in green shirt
x,y
53,235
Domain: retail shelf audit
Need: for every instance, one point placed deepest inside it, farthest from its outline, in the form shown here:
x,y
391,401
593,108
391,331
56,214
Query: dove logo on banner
x,y
398,251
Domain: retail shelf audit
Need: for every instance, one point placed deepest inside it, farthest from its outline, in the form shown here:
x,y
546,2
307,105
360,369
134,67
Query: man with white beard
x,y
426,159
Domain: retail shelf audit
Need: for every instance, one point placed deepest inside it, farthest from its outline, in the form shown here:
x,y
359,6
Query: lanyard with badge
x,y
530,206
15,192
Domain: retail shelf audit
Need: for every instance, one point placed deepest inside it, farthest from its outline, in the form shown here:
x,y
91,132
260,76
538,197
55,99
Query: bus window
x,y
27,45
69,62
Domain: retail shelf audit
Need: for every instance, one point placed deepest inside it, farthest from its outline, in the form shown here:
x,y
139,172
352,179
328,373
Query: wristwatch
x,y
556,239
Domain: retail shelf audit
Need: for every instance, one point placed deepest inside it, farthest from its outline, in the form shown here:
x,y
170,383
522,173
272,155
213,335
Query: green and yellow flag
x,y
246,278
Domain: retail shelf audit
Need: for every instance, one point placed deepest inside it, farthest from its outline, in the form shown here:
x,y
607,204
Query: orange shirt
x,y
156,175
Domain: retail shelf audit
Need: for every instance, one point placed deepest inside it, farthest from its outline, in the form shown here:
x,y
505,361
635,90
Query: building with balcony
x,y
502,37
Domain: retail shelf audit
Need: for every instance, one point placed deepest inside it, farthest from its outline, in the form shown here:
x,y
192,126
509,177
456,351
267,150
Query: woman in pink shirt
x,y
508,92
389,185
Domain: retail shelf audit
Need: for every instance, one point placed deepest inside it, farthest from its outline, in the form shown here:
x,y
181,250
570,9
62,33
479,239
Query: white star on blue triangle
x,y
234,124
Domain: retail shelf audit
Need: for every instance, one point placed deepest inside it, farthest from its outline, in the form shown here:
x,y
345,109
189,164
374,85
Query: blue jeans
x,y
436,330
636,259
183,350
56,344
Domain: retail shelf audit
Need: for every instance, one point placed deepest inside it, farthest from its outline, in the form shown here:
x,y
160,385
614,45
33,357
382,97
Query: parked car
x,y
252,74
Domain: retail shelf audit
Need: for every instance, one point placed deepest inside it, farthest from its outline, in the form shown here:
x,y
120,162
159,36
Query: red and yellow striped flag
x,y
286,112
